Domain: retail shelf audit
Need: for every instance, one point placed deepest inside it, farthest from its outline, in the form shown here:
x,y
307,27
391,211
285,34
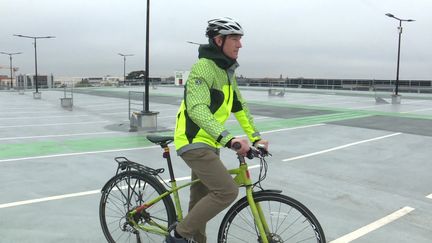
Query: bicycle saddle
x,y
158,139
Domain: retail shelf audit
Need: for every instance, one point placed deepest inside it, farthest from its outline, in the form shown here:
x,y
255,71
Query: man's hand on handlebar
x,y
244,148
262,144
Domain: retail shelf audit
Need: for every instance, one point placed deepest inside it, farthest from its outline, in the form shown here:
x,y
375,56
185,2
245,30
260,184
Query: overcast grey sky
x,y
295,38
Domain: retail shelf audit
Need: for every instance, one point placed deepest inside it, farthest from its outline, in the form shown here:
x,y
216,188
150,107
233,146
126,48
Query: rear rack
x,y
125,164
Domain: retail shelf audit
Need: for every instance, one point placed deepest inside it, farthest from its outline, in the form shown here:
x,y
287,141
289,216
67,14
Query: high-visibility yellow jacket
x,y
210,96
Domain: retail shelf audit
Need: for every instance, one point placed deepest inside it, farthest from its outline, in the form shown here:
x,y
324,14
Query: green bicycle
x,y
136,206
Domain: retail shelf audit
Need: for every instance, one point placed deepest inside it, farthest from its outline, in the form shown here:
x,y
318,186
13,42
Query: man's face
x,y
232,45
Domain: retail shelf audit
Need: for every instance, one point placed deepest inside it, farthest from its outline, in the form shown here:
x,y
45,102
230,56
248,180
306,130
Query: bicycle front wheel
x,y
123,193
288,221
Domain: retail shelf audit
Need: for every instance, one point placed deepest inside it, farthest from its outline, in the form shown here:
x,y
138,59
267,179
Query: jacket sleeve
x,y
197,100
243,116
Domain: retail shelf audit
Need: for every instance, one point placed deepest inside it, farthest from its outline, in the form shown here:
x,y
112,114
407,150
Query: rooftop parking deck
x,y
353,162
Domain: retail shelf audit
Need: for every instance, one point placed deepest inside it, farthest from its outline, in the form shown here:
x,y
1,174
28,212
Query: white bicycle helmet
x,y
223,26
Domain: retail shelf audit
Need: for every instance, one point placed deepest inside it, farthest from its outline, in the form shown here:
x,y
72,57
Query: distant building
x,y
29,81
92,81
4,81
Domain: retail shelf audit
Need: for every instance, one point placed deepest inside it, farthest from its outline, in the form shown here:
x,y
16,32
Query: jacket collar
x,y
212,52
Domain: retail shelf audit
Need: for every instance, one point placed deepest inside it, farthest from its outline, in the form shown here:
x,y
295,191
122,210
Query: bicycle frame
x,y
241,177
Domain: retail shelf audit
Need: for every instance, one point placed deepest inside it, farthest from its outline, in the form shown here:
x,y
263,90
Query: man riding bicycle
x,y
211,95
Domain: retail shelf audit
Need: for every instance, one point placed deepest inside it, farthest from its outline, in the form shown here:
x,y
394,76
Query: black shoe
x,y
171,237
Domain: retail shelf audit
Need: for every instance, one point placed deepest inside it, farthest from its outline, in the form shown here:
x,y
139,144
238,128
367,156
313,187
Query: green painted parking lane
x,y
50,147
18,150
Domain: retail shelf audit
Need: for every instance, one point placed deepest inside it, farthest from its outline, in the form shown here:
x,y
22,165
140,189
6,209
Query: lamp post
x,y
10,61
149,118
146,77
124,65
35,47
399,44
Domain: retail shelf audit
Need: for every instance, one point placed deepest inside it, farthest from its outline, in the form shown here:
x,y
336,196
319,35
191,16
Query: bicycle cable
x,y
262,173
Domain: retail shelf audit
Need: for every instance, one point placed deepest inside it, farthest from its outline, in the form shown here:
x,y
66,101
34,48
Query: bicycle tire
x,y
288,221
123,193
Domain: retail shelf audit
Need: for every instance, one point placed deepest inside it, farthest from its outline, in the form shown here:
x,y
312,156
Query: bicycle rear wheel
x,y
288,221
123,193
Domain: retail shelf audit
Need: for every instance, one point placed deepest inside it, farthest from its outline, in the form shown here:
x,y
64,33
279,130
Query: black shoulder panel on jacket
x,y
236,104
192,129
217,98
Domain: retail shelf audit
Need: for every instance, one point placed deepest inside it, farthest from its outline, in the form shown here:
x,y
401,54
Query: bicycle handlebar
x,y
253,152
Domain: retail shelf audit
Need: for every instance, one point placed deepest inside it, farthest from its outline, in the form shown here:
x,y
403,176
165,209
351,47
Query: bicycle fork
x,y
258,215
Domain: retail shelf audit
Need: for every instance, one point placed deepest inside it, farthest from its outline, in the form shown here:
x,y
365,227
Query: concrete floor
x,y
362,168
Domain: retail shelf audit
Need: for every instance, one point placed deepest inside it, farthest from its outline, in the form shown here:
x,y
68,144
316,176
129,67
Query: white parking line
x,y
124,113
45,199
75,154
53,124
341,147
104,104
233,119
429,196
38,117
373,226
58,135
293,128
118,150
77,194
41,108
32,112
425,109
334,103
369,106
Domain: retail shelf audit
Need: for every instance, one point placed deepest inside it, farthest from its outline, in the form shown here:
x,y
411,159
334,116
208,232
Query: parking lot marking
x,y
106,104
341,147
36,151
75,154
58,135
37,117
45,199
425,109
373,226
429,196
53,124
34,111
78,194
292,128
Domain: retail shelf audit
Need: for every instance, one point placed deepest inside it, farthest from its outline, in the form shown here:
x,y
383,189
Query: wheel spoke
x,y
287,219
127,191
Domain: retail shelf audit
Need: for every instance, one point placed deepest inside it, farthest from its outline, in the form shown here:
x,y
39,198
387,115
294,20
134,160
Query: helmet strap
x,y
223,42
223,37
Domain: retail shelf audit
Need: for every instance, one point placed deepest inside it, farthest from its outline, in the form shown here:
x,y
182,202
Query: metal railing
x,y
135,102
410,86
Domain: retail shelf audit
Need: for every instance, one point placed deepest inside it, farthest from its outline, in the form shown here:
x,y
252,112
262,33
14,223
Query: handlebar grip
x,y
236,146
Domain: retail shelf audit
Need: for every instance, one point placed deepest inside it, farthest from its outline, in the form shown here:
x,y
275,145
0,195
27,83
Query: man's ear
x,y
218,41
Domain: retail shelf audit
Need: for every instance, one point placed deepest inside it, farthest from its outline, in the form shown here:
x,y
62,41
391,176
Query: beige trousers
x,y
216,191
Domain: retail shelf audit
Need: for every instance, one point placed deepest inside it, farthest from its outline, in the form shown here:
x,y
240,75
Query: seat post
x,y
167,156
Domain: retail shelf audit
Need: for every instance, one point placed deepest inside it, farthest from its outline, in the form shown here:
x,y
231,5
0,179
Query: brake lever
x,y
263,151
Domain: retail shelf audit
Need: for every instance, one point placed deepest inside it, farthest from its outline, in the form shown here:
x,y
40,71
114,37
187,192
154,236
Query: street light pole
x,y
10,62
124,65
35,47
146,95
399,44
